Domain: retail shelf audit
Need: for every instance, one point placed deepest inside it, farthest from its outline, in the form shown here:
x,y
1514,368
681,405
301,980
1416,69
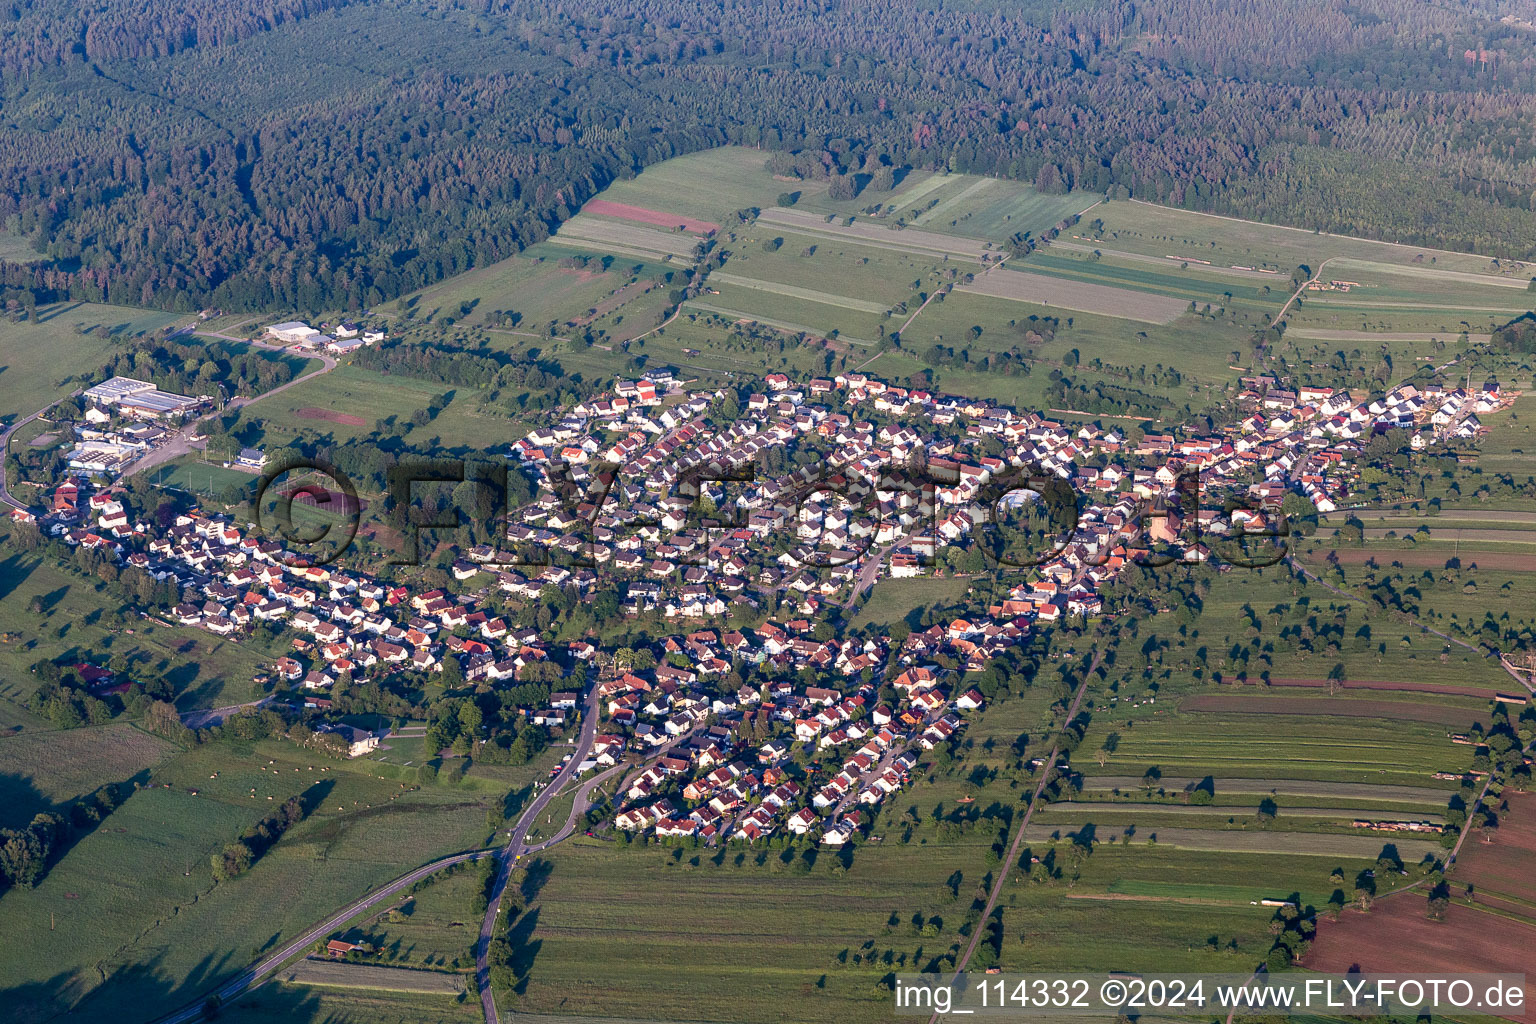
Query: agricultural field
x,y
893,600
874,234
1263,746
1495,863
1459,715
996,209
1366,794
139,921
1396,936
1081,296
1256,301
625,238
1276,841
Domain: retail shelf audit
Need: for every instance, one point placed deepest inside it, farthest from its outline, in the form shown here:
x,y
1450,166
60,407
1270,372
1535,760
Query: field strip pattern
x,y
1088,810
1429,273
912,194
1044,290
1325,334
955,200
1282,787
587,245
790,291
1313,844
879,236
1341,300
1476,515
594,229
1164,262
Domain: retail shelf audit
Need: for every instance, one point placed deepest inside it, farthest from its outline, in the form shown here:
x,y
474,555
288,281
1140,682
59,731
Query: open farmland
x,y
534,286
1059,293
83,621
1236,814
302,1004
1498,861
357,395
732,919
1165,231
1255,300
793,292
436,926
656,218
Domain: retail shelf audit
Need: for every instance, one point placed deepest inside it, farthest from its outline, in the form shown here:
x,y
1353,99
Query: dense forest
x,y
303,154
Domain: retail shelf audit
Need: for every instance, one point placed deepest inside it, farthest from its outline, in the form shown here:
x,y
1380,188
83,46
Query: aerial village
x,y
643,496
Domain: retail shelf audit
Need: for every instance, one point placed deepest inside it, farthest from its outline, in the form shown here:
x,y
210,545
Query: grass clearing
x,y
40,771
36,358
370,396
892,600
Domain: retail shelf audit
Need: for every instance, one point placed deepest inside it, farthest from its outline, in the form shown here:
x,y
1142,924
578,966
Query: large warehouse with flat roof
x,y
140,398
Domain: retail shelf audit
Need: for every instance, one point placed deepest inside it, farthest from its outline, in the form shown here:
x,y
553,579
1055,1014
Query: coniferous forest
x,y
303,154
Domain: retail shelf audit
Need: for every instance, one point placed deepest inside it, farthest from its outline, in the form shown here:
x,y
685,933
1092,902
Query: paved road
x,y
1018,836
256,974
517,846
5,443
180,443
206,717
